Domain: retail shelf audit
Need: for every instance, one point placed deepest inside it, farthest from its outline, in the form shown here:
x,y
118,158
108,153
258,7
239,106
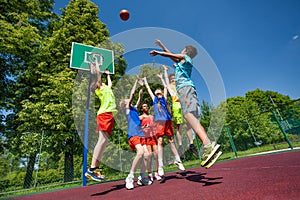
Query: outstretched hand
x,y
153,52
140,81
106,71
159,43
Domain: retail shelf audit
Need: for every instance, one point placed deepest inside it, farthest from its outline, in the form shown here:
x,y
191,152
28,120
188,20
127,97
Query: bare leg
x,y
99,149
197,127
146,160
155,155
139,155
179,134
190,134
173,148
160,151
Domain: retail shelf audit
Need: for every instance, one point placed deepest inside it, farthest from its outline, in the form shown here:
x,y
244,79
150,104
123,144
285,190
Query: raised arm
x,y
168,81
140,82
159,43
109,83
148,88
94,67
132,92
175,57
164,84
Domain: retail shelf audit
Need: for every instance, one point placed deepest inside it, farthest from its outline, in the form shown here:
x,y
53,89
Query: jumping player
x,y
188,96
136,137
163,123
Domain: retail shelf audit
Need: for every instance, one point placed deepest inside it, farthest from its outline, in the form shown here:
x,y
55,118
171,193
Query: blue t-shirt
x,y
163,113
134,123
183,72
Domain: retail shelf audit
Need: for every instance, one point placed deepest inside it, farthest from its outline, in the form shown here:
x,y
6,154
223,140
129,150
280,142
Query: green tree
x,y
52,98
23,26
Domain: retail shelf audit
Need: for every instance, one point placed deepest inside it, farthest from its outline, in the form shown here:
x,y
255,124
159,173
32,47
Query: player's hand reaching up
x,y
106,71
153,52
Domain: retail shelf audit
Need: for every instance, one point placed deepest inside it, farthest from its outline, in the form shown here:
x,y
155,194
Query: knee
x,y
147,155
160,141
139,154
171,140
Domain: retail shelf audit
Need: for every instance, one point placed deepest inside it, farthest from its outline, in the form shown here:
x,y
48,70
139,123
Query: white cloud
x,y
295,37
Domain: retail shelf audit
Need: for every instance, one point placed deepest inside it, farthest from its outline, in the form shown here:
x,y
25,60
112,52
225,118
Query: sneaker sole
x,y
214,160
92,178
216,148
129,188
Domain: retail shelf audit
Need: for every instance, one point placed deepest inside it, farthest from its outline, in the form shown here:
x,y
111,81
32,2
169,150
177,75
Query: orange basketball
x,y
124,15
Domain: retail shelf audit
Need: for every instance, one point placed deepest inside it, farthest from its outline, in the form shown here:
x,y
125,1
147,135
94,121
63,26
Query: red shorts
x,y
105,122
135,140
164,128
152,141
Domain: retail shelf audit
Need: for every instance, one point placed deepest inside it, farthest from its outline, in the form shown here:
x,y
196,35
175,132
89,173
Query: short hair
x,y
191,51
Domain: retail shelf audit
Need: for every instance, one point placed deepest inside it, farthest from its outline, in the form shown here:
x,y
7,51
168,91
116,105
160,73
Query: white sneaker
x,y
150,176
129,182
179,165
157,176
161,171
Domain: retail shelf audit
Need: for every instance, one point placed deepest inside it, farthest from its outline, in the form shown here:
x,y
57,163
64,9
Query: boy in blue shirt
x,y
188,96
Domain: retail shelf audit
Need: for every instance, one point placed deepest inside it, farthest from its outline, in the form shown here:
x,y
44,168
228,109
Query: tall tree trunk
x,y
29,172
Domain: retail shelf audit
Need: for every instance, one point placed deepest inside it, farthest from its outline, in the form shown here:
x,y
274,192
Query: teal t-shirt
x,y
183,73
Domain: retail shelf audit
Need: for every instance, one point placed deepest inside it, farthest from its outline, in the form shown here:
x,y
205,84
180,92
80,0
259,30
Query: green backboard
x,y
82,55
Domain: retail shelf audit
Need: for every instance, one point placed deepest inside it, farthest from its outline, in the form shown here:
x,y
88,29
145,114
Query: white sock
x,y
160,163
177,158
131,174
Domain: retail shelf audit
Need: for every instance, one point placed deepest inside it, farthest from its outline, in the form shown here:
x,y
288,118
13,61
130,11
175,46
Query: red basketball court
x,y
271,176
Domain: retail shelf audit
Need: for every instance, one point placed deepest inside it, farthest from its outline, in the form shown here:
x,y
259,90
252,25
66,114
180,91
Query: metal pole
x,y
282,130
86,133
231,142
120,153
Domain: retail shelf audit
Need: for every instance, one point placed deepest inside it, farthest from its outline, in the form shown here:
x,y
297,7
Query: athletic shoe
x,y
95,175
160,171
143,181
208,152
129,182
179,165
193,149
150,176
157,176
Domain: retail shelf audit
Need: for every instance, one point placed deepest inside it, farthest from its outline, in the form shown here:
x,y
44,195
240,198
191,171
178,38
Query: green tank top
x,y
107,99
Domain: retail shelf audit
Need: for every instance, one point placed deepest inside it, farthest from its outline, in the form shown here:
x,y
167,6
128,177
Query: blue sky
x,y
254,44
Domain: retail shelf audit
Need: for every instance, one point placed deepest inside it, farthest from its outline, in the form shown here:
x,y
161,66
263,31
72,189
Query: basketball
x,y
124,15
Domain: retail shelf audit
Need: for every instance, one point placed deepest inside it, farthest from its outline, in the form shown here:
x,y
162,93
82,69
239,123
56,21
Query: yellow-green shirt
x,y
174,94
107,99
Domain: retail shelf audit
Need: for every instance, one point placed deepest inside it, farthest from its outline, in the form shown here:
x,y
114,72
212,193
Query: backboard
x,y
82,55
